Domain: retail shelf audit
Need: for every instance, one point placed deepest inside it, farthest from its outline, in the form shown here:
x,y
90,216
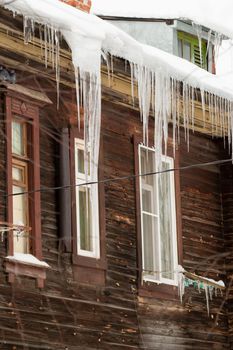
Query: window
x,y
88,227
23,184
20,162
158,220
87,219
188,48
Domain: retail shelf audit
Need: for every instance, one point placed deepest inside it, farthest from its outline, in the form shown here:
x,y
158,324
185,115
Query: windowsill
x,y
26,265
158,289
150,279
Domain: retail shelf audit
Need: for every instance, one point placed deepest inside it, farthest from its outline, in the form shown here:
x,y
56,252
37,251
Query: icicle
x,y
28,29
57,63
51,45
192,108
207,298
211,291
198,29
46,46
217,43
173,101
181,281
178,110
111,65
144,79
208,42
105,57
203,105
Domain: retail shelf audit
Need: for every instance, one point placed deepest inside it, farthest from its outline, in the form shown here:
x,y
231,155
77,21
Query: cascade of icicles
x,y
88,91
49,41
166,99
170,101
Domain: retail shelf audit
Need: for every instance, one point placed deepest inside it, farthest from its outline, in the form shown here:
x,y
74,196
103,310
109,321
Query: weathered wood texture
x,y
168,324
68,314
227,204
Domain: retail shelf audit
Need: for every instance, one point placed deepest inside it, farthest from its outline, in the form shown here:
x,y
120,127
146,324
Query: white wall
x,y
157,34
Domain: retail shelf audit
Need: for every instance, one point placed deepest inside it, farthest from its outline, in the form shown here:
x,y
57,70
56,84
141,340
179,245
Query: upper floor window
x,y
23,187
87,206
158,219
20,165
188,48
87,209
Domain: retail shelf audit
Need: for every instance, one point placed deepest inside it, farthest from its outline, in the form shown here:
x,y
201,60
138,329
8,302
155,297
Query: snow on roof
x,y
224,63
87,35
216,15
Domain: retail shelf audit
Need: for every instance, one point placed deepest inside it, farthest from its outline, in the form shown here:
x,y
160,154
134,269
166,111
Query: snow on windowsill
x,y
206,280
27,259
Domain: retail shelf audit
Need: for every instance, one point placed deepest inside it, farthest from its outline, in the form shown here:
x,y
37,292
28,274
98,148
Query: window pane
x,y
20,218
187,50
18,174
147,200
81,161
86,242
18,138
166,229
180,51
150,232
148,183
147,166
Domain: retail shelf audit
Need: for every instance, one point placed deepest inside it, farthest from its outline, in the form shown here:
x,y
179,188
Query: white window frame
x,y
81,178
157,276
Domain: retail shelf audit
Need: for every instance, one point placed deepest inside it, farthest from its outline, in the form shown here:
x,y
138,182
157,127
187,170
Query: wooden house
x,y
76,281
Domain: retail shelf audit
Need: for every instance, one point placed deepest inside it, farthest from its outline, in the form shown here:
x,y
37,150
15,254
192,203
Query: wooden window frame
x,y
19,164
156,289
157,251
87,269
79,179
22,108
193,41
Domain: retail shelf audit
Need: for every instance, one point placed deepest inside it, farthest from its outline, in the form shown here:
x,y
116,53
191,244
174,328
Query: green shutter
x,y
195,50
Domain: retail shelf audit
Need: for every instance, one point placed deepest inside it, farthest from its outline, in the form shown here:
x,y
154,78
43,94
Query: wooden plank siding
x,y
70,315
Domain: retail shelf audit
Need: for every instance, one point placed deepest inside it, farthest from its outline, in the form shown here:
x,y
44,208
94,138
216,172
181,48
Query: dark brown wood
x,y
65,193
8,120
16,268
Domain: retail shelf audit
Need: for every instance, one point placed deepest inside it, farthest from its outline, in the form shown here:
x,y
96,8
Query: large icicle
x,y
198,29
86,56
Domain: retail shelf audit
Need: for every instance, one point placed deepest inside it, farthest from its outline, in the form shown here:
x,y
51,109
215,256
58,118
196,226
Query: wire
x,y
120,178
